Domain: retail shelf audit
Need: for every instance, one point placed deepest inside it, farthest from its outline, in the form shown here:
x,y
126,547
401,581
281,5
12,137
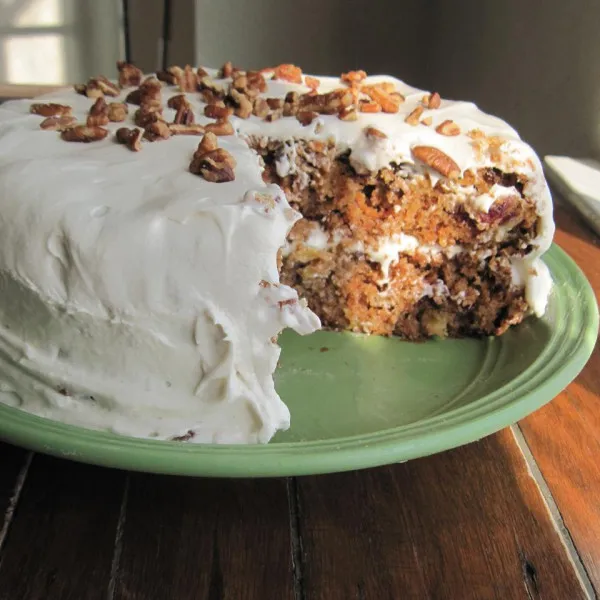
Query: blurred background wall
x,y
535,63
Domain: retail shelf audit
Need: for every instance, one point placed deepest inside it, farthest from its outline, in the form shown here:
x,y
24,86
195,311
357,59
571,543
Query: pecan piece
x,y
177,101
369,107
188,80
389,103
353,77
184,115
433,100
306,117
129,75
311,82
414,116
134,97
58,123
436,159
50,109
291,103
98,114
217,111
201,72
207,143
132,138
216,166
117,112
166,77
372,132
426,121
225,71
261,108
105,85
193,129
158,130
220,128
348,114
275,103
241,103
448,127
144,116
83,133
255,82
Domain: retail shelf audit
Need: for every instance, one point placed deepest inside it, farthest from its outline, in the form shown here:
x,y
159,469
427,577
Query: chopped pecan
x,y
240,82
129,75
188,80
433,100
306,117
193,129
261,108
448,127
369,107
208,143
151,93
177,101
217,111
275,103
144,116
158,130
426,121
184,115
105,85
83,133
273,115
348,114
216,166
201,72
166,77
311,82
134,97
210,91
93,89
98,114
291,103
225,71
414,116
132,138
117,112
80,88
256,81
436,159
50,109
389,103
353,77
220,128
327,104
58,123
372,132
242,104
288,72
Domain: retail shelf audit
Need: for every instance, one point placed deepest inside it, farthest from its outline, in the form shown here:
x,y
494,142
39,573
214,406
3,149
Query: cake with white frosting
x,y
152,245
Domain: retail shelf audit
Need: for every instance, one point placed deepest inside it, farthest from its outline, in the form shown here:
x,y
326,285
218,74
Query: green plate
x,y
360,401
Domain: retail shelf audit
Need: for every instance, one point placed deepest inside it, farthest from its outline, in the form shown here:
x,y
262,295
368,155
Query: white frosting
x,y
484,202
129,288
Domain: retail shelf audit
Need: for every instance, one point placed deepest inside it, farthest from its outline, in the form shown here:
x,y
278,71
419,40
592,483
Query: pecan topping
x,y
98,114
256,82
216,166
144,116
348,114
306,117
210,91
150,93
117,112
83,133
290,105
311,82
353,77
414,116
50,109
261,108
207,143
201,72
369,107
129,75
275,103
166,77
242,105
448,127
375,133
217,111
156,131
188,80
58,123
274,115
436,159
220,128
177,101
388,100
225,71
193,129
134,97
433,100
106,86
184,115
327,104
132,138
288,72
426,121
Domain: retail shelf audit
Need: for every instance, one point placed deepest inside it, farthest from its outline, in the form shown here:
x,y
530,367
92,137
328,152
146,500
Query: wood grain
x,y
469,523
60,544
564,436
205,538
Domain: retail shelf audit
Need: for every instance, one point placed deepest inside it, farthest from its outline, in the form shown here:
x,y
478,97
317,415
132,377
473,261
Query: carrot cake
x,y
157,233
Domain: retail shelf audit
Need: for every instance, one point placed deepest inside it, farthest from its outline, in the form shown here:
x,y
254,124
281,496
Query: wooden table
x,y
516,515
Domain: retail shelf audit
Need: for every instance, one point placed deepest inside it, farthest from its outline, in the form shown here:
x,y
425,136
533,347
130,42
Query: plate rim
x,y
488,414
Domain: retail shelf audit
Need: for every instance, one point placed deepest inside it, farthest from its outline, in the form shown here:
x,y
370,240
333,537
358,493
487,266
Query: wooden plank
x,y
469,523
564,436
60,544
205,538
13,466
